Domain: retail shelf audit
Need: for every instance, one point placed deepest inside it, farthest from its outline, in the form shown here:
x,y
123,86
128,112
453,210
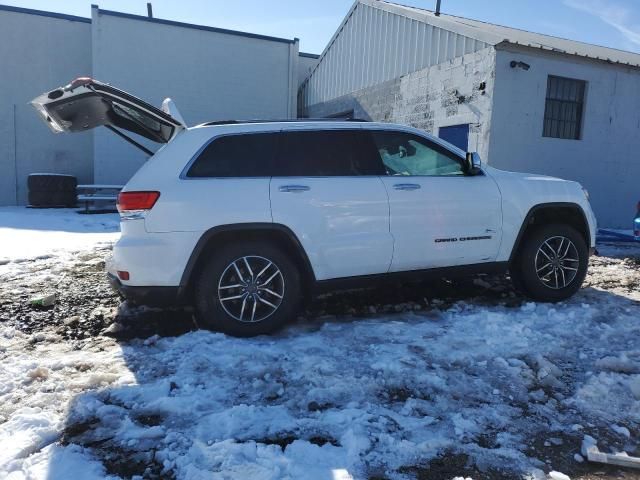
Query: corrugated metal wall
x,y
374,46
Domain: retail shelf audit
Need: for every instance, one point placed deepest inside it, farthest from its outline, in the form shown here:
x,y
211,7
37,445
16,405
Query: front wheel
x,y
247,289
552,263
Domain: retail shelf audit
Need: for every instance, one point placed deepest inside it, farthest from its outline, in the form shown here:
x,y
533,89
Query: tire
x,y
51,183
229,316
52,199
538,262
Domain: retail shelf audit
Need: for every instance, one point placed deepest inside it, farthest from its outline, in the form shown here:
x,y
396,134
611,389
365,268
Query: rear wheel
x,y
552,263
248,289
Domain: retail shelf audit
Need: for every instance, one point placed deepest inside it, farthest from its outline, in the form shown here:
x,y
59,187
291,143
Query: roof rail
x,y
287,120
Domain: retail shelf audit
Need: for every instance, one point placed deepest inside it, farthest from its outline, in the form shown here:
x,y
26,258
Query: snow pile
x,y
27,234
355,396
67,462
336,398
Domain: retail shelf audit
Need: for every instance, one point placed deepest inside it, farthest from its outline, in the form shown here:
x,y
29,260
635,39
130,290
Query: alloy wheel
x,y
251,289
557,262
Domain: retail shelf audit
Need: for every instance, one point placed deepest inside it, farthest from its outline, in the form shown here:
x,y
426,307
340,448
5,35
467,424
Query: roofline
x,y
333,39
206,28
456,24
401,10
541,48
418,14
74,18
532,32
43,13
309,55
459,27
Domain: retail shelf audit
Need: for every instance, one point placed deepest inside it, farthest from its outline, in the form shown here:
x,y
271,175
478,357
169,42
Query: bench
x,y
92,194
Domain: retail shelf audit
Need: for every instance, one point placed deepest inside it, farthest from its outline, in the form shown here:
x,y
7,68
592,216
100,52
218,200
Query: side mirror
x,y
473,163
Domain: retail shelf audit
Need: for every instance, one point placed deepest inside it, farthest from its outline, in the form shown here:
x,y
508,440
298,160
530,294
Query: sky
x,y
612,23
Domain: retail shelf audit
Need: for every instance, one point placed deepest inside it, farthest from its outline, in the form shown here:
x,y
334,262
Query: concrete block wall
x,y
459,91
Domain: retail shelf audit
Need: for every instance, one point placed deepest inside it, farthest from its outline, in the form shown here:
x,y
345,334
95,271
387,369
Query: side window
x,y
327,153
246,155
405,154
563,108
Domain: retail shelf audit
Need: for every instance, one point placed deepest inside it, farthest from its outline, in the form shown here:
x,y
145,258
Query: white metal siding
x,y
374,46
305,65
604,160
38,53
210,76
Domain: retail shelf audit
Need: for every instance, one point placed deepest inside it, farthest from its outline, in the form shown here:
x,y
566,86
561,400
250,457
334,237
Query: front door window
x,y
405,154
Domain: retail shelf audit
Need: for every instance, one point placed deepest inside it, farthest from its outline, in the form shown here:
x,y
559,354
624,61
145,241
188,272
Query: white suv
x,y
242,219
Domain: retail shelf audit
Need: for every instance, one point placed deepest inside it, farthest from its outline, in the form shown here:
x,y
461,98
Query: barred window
x,y
564,107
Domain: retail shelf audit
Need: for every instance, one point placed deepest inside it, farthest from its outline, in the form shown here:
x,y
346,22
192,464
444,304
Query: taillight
x,y
136,204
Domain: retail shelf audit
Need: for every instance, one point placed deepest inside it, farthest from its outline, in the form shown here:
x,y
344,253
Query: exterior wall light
x,y
522,65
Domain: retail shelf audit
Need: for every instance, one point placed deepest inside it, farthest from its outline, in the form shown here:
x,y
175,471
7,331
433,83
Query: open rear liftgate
x,y
86,103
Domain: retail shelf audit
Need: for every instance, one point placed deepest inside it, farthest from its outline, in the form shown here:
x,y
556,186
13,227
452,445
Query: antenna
x,y
438,4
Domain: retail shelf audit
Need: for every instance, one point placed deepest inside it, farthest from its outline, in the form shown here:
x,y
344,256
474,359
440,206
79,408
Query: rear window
x,y
327,153
129,113
246,155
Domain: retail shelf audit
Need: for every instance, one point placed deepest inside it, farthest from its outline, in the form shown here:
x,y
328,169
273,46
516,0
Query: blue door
x,y
457,135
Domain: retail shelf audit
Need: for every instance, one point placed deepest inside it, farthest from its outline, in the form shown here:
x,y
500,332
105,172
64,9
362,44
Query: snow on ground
x,y
479,383
27,234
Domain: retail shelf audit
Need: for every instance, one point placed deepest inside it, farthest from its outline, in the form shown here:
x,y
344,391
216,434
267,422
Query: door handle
x,y
407,186
294,188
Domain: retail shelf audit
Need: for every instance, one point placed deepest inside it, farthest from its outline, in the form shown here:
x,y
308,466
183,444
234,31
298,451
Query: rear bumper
x,y
157,259
150,296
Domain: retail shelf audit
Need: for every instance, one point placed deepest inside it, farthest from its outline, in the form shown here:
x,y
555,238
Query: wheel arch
x,y
273,232
547,213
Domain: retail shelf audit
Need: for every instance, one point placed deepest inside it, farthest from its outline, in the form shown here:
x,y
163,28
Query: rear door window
x,y
246,155
327,153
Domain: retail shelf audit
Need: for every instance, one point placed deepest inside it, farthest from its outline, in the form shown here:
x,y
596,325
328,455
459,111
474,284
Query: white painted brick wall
x,y
439,96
